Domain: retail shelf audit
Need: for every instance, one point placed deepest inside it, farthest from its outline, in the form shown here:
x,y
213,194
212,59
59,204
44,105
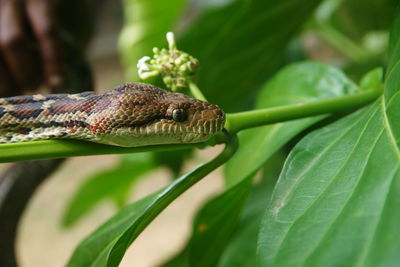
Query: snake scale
x,y
132,114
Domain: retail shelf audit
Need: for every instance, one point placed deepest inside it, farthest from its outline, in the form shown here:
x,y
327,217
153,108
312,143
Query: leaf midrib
x,y
386,124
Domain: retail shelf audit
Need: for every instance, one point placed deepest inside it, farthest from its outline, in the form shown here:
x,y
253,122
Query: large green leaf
x,y
337,198
297,83
113,184
146,23
241,44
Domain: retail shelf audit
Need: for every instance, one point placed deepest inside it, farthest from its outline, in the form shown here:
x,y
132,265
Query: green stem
x,y
71,148
196,91
249,119
341,42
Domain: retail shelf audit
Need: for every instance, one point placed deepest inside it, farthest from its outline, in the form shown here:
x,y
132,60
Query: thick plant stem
x,y
48,149
196,91
249,119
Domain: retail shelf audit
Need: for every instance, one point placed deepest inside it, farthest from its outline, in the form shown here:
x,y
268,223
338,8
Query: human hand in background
x,y
32,48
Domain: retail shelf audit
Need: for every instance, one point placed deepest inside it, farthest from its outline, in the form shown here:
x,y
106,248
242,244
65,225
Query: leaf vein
x,y
367,158
338,171
367,247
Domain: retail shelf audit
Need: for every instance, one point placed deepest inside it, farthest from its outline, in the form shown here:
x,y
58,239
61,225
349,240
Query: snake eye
x,y
179,115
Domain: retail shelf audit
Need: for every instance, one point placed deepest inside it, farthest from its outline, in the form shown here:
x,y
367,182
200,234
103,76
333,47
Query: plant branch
x,y
196,92
249,119
341,42
47,149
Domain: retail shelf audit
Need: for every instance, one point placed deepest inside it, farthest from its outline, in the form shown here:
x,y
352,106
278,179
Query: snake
x,y
129,115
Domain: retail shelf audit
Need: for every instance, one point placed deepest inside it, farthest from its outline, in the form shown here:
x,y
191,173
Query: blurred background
x,y
240,45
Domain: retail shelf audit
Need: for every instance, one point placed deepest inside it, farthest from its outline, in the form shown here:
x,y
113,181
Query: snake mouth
x,y
183,132
163,131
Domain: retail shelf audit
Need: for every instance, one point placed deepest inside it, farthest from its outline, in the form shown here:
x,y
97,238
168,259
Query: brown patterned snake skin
x,y
129,115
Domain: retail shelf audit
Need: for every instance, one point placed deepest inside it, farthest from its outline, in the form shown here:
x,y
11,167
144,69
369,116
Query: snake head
x,y
191,119
147,115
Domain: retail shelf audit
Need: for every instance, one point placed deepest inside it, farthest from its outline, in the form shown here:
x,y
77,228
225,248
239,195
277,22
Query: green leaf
x,y
393,80
337,198
107,245
358,17
113,183
239,46
241,250
297,83
146,23
373,79
215,223
173,160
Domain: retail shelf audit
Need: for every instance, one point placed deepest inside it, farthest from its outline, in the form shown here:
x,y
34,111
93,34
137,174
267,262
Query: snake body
x,y
133,114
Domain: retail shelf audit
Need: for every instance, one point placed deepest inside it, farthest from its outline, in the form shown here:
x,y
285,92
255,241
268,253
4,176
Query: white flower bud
x,y
146,75
171,40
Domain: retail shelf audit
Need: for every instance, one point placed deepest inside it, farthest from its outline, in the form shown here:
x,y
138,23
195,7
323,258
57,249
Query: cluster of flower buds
x,y
176,68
